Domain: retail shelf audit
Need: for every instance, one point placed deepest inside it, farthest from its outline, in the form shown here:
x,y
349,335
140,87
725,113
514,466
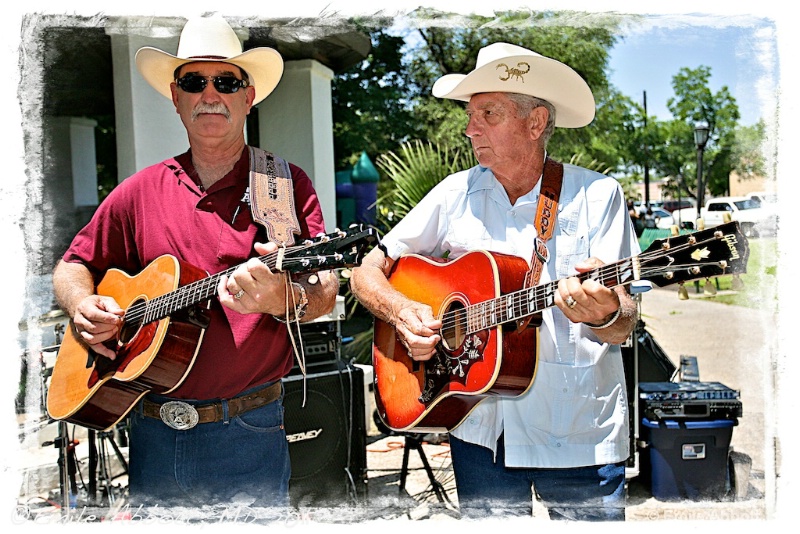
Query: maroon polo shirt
x,y
163,210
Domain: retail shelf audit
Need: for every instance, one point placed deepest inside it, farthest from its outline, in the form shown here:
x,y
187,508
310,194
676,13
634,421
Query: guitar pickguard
x,y
446,366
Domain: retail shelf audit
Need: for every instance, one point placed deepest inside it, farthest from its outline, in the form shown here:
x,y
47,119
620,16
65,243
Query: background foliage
x,y
386,100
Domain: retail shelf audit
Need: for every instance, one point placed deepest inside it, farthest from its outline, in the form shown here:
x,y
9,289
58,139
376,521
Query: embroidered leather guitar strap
x,y
272,196
546,211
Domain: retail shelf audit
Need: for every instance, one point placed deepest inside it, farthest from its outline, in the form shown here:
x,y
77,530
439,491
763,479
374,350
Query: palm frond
x,y
414,170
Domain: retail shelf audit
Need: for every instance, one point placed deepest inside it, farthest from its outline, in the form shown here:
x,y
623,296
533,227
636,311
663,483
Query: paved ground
x,y
733,345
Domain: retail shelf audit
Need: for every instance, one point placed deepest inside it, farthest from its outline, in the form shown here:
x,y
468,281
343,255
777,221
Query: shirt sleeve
x,y
108,240
614,238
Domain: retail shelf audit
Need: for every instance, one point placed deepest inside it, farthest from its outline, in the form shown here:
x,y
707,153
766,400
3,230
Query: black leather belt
x,y
183,416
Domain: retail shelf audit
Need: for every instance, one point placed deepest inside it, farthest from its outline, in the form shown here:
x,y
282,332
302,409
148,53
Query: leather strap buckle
x,y
179,415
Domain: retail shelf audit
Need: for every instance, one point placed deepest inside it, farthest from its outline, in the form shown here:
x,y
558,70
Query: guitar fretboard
x,y
336,250
529,301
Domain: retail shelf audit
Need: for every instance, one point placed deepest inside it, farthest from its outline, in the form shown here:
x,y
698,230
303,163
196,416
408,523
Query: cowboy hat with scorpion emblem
x,y
507,68
211,39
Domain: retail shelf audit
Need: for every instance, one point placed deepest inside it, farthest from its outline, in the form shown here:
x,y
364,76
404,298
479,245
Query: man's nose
x,y
472,128
210,93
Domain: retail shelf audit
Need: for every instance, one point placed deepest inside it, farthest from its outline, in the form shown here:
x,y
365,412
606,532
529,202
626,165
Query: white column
x,y
296,123
73,146
148,128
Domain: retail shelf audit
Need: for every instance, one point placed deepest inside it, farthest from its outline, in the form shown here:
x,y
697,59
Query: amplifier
x,y
321,342
683,400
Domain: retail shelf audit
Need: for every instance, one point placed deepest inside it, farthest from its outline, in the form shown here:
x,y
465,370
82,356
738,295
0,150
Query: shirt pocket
x,y
465,235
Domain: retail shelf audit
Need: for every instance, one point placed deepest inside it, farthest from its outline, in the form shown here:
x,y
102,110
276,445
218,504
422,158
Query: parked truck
x,y
754,218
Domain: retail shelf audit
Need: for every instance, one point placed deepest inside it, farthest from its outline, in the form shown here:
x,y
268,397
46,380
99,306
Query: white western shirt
x,y
576,411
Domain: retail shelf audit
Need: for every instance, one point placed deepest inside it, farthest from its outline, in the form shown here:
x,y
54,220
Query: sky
x,y
748,45
740,51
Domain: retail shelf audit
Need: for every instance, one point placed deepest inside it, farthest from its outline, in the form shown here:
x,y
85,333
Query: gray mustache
x,y
218,108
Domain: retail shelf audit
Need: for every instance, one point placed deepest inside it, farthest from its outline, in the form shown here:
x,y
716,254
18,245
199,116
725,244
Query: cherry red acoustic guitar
x,y
486,348
163,327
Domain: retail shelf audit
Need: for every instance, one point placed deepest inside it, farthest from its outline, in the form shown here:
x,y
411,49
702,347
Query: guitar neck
x,y
335,250
530,301
186,296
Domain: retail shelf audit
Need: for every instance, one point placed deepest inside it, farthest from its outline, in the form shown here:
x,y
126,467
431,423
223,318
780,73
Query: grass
x,y
760,281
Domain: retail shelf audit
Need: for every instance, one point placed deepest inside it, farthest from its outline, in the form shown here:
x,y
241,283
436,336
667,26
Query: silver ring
x,y
570,302
238,295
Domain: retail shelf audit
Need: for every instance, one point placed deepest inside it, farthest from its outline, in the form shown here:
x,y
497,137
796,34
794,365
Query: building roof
x,y
76,51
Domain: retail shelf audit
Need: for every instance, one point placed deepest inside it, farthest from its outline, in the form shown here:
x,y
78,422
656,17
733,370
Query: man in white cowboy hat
x,y
567,435
219,435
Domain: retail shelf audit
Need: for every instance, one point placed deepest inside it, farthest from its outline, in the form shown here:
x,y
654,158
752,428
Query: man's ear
x,y
251,96
539,116
173,88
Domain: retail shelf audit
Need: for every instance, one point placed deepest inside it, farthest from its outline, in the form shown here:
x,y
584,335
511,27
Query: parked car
x,y
764,198
663,218
672,205
755,219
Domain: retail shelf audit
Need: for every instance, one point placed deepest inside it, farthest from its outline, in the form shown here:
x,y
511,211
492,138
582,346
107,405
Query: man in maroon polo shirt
x,y
196,207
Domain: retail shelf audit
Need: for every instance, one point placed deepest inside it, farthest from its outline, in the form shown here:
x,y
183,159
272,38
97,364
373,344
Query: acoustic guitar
x,y
163,325
487,347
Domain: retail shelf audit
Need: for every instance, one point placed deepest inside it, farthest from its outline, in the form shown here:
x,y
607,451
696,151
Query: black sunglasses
x,y
194,83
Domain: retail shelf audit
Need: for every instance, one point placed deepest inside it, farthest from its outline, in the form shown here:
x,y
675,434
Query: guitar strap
x,y
545,218
272,205
272,196
546,211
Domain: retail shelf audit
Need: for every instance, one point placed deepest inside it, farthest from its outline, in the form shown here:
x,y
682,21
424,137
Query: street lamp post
x,y
700,139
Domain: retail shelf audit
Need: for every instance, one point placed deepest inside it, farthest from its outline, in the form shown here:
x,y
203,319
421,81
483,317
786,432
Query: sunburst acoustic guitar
x,y
479,301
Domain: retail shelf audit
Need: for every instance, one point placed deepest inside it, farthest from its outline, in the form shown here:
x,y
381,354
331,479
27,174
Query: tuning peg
x,y
345,273
709,289
736,283
683,294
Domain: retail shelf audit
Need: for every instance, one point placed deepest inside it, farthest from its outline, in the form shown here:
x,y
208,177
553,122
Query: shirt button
x,y
558,445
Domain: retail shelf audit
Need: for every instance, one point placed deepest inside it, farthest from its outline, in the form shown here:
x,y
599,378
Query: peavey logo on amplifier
x,y
673,400
303,436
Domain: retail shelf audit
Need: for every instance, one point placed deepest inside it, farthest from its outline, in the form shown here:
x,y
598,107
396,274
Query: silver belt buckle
x,y
179,415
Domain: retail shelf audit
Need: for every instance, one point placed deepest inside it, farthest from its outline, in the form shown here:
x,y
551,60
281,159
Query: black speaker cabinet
x,y
327,436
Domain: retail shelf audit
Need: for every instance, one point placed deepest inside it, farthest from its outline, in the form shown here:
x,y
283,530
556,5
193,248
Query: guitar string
x,y
160,306
462,318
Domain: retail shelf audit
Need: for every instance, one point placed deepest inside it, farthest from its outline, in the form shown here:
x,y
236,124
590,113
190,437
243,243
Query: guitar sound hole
x,y
130,326
454,326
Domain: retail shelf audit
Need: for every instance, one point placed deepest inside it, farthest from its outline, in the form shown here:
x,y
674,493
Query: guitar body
x,y
96,392
436,395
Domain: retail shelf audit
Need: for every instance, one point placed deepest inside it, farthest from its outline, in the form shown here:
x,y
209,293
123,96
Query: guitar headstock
x,y
715,251
337,250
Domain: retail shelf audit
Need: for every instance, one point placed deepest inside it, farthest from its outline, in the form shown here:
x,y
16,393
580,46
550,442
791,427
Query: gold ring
x,y
570,302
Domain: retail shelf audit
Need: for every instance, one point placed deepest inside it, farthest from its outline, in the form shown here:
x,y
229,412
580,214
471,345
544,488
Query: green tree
x,y
369,111
695,102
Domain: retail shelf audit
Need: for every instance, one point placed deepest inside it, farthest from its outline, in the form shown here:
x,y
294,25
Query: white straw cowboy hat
x,y
507,68
211,39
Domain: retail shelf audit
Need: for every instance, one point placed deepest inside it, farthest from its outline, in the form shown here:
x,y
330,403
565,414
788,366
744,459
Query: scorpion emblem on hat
x,y
517,72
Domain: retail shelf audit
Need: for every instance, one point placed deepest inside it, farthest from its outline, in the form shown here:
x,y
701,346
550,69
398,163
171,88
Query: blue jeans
x,y
486,487
244,459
